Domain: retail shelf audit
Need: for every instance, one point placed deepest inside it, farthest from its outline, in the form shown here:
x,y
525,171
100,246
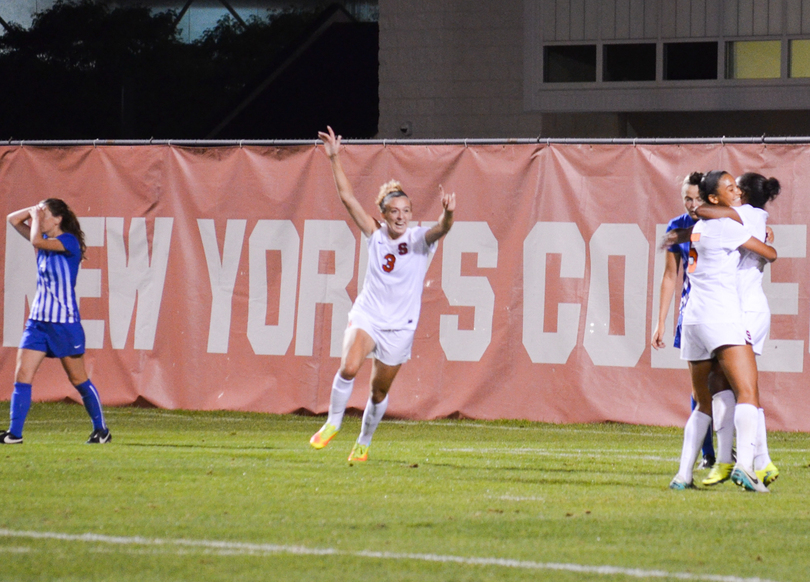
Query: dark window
x,y
570,64
690,60
629,62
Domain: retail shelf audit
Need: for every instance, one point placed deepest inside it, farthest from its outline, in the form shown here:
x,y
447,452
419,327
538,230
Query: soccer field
x,y
237,496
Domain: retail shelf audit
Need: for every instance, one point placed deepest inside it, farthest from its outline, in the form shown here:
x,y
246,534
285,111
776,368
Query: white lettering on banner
x,y
88,282
617,350
136,276
222,277
19,284
669,356
781,355
315,287
468,345
272,235
547,238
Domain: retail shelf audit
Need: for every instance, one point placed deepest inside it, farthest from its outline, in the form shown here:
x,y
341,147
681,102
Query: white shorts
x,y
758,324
699,341
392,347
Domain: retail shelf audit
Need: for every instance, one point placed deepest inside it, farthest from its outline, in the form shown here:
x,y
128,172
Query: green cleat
x,y
679,484
719,473
769,474
359,453
747,481
321,438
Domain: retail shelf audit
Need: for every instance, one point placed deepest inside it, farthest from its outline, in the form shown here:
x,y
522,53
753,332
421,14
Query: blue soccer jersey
x,y
683,221
55,300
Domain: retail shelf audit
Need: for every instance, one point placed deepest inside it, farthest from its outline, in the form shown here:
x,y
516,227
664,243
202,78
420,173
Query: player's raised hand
x,y
331,142
448,200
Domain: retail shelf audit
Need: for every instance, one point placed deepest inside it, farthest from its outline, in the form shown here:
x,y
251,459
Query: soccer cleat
x,y
6,438
321,438
769,474
679,484
100,436
359,453
706,463
719,473
747,481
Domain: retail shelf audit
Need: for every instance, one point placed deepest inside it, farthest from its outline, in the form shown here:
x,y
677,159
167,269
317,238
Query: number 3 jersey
x,y
713,262
392,289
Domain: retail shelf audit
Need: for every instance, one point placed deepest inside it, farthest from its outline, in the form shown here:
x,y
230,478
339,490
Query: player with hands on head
x,y
383,318
54,328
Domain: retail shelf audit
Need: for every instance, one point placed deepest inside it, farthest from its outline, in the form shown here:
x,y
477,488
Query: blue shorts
x,y
57,340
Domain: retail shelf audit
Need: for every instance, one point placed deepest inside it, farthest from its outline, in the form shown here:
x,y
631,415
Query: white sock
x,y
746,418
341,391
371,418
723,404
693,434
761,458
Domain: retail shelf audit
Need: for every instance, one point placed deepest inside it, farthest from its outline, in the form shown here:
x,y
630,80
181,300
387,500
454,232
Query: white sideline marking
x,y
242,548
556,427
561,453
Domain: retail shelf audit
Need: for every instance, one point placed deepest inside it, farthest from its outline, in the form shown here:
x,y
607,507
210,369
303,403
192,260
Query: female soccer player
x,y
713,328
756,191
677,258
383,318
54,328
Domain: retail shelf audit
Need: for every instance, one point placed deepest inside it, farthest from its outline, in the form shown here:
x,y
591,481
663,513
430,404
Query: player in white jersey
x,y
756,191
713,328
54,328
384,316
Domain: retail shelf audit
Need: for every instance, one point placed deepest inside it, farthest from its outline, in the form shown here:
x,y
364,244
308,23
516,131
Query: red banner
x,y
221,278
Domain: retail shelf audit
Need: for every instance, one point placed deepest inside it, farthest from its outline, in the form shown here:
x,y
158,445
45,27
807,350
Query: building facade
x,y
594,68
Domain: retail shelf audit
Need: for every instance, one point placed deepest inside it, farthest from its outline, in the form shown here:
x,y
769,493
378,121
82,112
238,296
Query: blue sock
x,y
20,405
708,442
92,403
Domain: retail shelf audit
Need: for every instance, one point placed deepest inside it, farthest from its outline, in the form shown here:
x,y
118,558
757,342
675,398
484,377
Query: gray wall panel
x,y
794,16
562,16
745,17
608,24
683,19
698,19
669,12
592,19
730,19
577,17
623,19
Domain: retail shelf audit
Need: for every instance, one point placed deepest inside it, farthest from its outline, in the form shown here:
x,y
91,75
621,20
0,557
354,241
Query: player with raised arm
x,y
713,328
384,316
54,328
677,258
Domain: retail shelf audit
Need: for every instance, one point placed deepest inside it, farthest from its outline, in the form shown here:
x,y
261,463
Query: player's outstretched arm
x,y
445,220
674,237
331,145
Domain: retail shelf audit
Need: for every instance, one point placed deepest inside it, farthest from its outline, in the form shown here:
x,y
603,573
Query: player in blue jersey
x,y
54,328
677,258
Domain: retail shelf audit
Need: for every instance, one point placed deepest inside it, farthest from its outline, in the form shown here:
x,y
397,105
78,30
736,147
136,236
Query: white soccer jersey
x,y
749,271
392,289
713,261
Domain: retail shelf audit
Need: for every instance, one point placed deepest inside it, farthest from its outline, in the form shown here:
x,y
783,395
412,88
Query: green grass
x,y
237,496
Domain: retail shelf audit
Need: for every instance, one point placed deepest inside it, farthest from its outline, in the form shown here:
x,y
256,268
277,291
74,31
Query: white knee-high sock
x,y
761,457
723,404
341,391
693,434
371,418
746,418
